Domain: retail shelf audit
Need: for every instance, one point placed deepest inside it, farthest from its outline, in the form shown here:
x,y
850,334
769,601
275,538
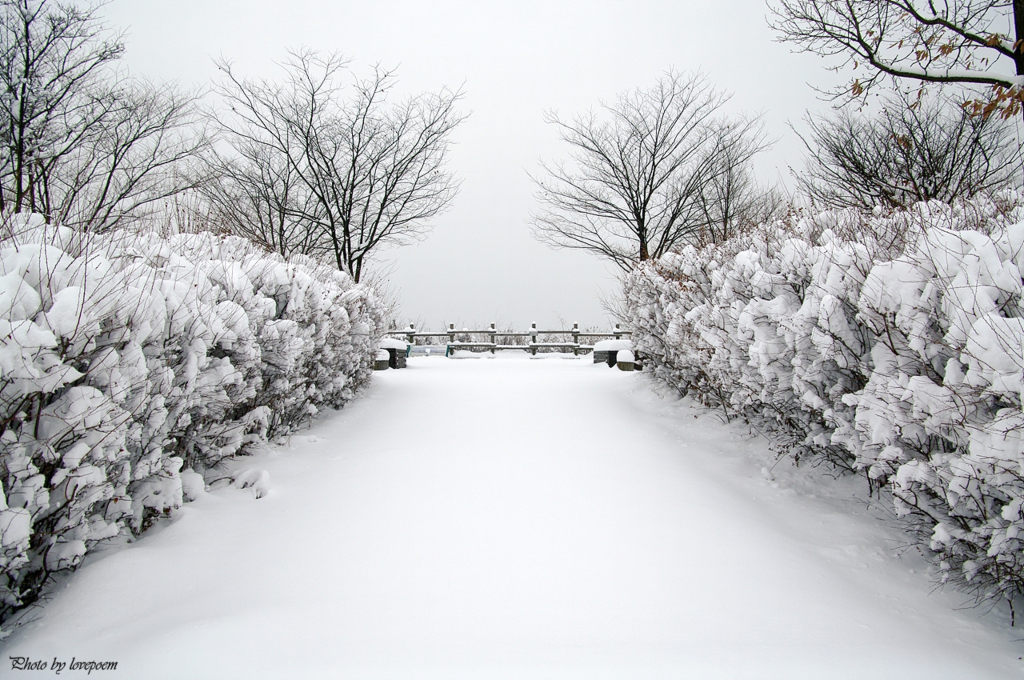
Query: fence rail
x,y
493,345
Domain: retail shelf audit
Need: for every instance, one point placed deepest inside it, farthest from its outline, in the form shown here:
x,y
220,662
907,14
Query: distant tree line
x,y
309,165
660,168
330,164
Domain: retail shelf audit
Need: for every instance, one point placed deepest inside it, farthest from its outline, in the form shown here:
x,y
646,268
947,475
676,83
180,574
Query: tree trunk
x,y
1018,39
1018,29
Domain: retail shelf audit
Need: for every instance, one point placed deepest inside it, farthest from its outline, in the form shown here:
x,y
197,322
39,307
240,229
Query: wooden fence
x,y
511,339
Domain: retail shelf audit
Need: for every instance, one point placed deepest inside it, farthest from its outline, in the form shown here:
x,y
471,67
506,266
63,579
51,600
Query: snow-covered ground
x,y
518,518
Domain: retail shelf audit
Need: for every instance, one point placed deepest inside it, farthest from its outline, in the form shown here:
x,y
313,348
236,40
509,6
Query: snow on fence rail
x,y
539,339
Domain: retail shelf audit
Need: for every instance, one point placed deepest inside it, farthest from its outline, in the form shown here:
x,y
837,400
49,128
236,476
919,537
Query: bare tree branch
x,y
966,42
909,152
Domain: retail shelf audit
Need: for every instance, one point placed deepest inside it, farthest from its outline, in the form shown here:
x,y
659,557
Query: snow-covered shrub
x,y
940,418
127,358
751,324
886,344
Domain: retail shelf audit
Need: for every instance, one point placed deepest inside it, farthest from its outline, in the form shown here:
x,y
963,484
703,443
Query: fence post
x,y
576,339
533,339
618,333
494,339
411,334
451,333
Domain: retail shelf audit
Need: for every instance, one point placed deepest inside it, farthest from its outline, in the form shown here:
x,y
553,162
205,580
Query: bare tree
x,y
911,151
83,143
144,149
338,175
257,180
965,42
48,55
636,185
732,200
253,192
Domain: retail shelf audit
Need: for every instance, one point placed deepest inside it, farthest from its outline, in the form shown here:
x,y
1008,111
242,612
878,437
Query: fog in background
x,y
514,60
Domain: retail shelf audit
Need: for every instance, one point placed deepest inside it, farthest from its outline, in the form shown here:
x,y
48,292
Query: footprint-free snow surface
x,y
518,518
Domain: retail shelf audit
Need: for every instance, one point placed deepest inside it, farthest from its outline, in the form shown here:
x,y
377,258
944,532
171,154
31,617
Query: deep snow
x,y
518,518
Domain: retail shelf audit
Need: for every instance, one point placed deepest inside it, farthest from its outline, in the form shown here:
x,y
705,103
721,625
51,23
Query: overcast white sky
x,y
514,60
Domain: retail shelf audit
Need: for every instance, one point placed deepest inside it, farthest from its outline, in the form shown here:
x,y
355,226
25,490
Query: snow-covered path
x,y
516,518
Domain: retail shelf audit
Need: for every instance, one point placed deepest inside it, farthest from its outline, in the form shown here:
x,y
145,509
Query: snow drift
x,y
886,345
129,362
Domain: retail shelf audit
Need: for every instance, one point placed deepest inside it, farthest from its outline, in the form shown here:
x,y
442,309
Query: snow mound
x,y
612,345
392,343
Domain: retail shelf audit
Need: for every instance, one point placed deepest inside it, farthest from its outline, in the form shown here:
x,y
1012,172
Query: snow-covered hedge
x,y
130,363
888,345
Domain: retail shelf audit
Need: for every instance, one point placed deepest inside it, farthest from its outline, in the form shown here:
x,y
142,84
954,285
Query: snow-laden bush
x,y
889,345
129,361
